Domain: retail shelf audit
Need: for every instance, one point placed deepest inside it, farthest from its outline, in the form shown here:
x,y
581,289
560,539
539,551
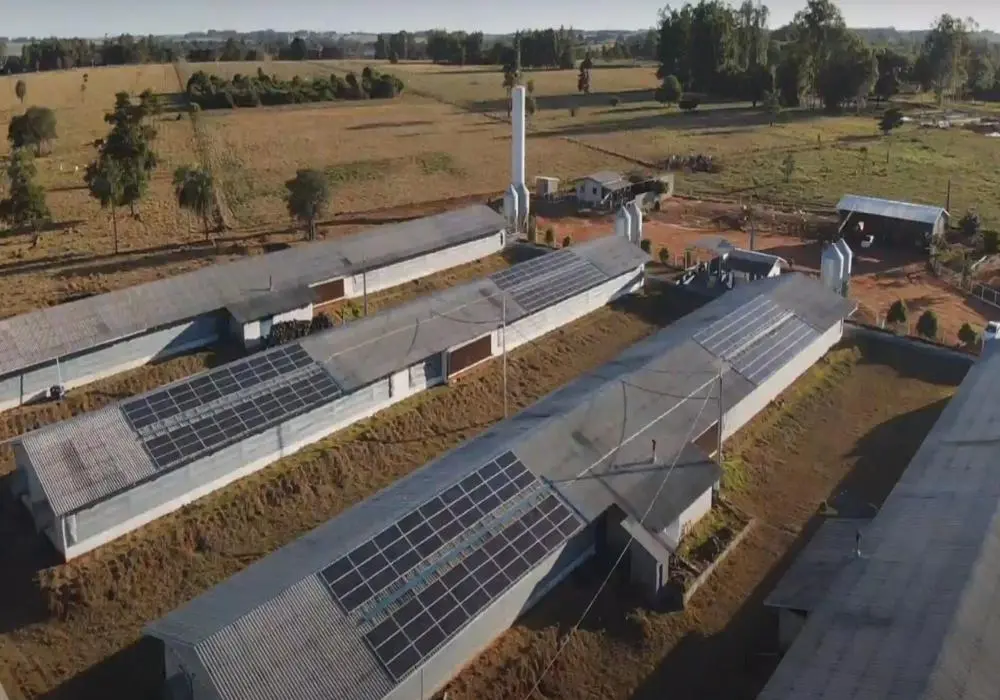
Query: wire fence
x,y
978,290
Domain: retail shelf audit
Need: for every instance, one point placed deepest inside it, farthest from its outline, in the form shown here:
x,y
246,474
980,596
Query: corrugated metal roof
x,y
904,211
815,568
574,438
918,615
355,355
44,335
369,349
86,458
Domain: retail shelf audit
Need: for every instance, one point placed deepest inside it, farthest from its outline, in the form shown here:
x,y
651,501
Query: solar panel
x,y
731,334
768,354
427,600
549,263
544,292
410,633
199,391
212,431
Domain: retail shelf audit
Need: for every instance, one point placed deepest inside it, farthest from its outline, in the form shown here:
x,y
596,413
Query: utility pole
x,y
503,348
364,282
718,444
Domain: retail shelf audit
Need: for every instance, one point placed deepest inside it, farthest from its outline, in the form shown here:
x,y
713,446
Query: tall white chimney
x,y
517,137
521,203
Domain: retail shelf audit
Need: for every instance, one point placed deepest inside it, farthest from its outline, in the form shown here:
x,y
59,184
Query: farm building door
x,y
329,291
463,357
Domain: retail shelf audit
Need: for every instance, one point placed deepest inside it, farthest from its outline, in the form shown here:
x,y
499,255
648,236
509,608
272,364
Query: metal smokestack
x,y
517,137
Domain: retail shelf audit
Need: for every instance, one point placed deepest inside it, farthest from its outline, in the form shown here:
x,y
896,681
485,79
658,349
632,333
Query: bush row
x,y
213,92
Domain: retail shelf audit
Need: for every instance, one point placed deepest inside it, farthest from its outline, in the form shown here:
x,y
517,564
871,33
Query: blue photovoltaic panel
x,y
546,264
233,422
731,334
771,352
204,389
428,602
548,279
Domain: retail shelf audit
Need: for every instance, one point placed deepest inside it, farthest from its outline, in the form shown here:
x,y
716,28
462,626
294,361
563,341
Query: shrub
x,y
646,245
970,223
664,256
670,91
897,313
927,325
615,101
967,335
550,236
689,102
567,241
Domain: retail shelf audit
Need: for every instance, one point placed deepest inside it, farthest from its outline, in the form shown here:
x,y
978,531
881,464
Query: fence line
x,y
978,290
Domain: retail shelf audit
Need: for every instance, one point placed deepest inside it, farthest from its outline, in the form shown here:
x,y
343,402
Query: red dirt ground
x,y
879,278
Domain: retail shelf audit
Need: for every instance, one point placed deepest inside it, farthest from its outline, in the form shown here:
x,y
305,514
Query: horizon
x,y
63,19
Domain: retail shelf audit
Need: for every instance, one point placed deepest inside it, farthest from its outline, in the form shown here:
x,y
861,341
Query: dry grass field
x,y
72,631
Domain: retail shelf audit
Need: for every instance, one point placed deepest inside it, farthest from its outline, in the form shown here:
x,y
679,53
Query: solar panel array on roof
x,y
531,284
447,559
187,420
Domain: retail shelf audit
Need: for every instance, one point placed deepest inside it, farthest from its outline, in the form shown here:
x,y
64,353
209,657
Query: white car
x,y
992,331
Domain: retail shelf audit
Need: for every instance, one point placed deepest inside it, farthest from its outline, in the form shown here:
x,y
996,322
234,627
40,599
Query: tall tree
x,y
129,144
105,180
893,65
307,196
195,191
583,81
944,52
298,50
24,206
818,29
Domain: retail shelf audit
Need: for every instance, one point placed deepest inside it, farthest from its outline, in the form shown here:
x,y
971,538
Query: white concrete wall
x,y
536,325
744,411
415,268
107,361
589,192
491,622
256,332
686,520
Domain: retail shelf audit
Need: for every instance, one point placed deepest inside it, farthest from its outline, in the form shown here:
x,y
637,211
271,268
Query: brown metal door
x,y
329,291
467,355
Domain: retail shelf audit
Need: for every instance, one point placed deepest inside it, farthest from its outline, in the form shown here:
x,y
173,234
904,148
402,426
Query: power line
x,y
625,548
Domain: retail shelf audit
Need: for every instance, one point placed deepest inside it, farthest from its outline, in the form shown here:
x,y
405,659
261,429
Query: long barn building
x,y
395,595
76,343
103,474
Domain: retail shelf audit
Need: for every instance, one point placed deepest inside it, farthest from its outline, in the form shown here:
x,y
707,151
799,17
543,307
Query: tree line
x,y
716,49
214,92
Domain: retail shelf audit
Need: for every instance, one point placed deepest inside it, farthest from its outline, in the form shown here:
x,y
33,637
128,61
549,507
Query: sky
x,y
99,17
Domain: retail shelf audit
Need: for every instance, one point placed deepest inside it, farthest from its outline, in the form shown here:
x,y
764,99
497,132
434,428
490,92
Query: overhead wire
x,y
625,547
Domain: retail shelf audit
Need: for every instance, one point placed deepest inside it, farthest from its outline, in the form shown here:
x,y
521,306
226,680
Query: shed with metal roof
x,y
78,342
96,477
599,189
889,221
393,596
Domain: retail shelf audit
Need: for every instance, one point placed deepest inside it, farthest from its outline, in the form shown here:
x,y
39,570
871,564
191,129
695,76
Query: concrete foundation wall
x,y
744,411
790,623
82,369
415,268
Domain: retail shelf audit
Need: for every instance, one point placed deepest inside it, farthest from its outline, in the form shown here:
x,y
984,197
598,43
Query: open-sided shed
x,y
900,223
